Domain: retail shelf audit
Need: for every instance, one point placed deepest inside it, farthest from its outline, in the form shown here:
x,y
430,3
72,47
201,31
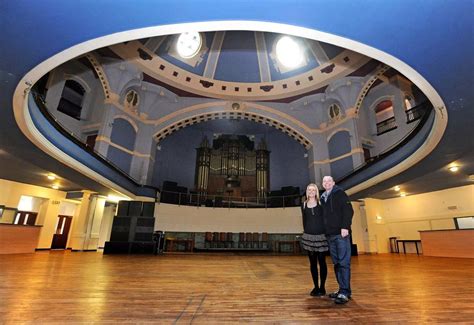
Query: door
x,y
25,218
62,232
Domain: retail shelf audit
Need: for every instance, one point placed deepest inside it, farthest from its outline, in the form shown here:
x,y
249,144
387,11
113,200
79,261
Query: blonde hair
x,y
317,193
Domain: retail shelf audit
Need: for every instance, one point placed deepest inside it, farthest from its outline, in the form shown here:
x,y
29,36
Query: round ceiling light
x,y
289,52
189,44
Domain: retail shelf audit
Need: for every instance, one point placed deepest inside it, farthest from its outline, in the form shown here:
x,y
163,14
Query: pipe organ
x,y
232,167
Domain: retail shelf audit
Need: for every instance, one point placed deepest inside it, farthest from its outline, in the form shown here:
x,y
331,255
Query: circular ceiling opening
x,y
189,44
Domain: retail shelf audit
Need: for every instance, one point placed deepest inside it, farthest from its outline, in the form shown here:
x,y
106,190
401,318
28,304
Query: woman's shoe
x,y
314,292
321,292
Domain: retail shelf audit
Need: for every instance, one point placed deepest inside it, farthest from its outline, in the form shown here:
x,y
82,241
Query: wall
x,y
10,194
403,217
176,159
175,218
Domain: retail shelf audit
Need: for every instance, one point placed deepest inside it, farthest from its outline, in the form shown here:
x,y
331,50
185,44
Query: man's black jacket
x,y
337,211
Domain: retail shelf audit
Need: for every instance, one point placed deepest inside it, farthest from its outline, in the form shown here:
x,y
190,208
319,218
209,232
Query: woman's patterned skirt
x,y
314,243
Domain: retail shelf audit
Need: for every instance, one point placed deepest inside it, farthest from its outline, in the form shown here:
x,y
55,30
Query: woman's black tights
x,y
314,258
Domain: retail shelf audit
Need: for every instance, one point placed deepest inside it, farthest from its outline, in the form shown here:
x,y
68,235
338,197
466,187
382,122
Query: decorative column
x,y
103,137
318,159
263,168
143,159
86,225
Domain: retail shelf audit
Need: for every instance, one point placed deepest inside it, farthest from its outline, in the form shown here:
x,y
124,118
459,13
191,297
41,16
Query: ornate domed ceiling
x,y
239,65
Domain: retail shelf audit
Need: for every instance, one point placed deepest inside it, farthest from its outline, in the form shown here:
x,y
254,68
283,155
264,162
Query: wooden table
x,y
404,241
171,244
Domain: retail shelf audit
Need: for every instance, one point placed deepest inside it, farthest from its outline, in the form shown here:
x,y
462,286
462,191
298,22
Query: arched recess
x,y
250,116
72,99
122,143
339,145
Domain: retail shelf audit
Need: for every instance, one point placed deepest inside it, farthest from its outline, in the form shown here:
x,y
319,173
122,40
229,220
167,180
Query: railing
x,y
415,113
387,125
424,109
40,101
223,201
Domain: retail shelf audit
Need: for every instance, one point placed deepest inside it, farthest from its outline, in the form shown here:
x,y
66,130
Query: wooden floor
x,y
68,287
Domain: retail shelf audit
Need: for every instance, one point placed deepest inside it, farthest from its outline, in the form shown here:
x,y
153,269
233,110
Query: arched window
x,y
385,117
334,112
409,102
71,99
131,99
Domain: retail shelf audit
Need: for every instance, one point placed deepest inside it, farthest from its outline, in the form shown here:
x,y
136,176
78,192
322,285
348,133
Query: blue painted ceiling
x,y
435,38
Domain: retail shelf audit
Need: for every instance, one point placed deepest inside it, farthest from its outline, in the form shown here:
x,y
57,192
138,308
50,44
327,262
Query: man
x,y
337,215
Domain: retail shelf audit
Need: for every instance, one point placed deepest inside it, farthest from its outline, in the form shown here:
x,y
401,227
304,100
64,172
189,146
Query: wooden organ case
x,y
232,167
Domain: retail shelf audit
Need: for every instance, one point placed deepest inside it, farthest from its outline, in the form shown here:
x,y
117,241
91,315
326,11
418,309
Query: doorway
x,y
62,231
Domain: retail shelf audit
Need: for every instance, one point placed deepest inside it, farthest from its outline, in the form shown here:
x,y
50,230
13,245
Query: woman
x,y
313,239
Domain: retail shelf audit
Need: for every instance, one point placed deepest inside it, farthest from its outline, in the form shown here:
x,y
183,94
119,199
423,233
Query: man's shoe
x,y
341,299
333,295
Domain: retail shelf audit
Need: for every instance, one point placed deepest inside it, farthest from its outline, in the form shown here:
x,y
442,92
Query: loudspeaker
x,y
122,208
135,208
148,209
116,247
144,229
120,229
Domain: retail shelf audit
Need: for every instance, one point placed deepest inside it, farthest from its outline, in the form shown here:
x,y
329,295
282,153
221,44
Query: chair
x,y
241,242
255,240
265,239
230,239
248,239
222,239
215,239
208,239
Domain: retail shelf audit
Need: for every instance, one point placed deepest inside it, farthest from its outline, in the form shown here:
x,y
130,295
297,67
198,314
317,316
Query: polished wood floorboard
x,y
62,287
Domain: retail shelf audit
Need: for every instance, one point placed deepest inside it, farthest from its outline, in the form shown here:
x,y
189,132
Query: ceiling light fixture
x,y
453,169
403,194
55,187
397,188
51,177
289,52
188,44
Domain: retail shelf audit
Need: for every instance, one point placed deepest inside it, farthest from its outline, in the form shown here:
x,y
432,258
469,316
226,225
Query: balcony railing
x,y
386,126
223,201
415,113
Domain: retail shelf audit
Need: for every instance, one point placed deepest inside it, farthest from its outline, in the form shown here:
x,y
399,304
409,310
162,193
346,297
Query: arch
x,y
383,110
129,119
101,73
336,131
122,137
123,133
251,116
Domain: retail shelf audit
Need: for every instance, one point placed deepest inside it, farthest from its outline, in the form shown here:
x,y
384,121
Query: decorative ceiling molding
x,y
102,76
166,72
368,84
250,116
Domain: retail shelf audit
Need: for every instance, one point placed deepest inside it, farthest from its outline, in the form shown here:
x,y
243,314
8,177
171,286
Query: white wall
x,y
403,217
